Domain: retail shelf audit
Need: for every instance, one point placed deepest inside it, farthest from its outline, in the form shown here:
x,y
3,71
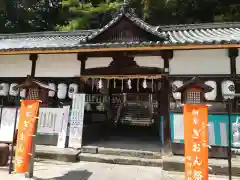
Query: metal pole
x,y
229,140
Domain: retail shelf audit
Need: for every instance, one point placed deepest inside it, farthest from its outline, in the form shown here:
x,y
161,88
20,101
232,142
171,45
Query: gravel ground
x,y
54,170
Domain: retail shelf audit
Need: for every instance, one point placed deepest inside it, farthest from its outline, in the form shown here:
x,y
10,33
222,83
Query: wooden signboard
x,y
196,141
26,129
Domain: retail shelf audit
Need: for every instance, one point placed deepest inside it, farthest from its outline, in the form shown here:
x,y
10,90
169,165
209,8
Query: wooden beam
x,y
127,49
33,58
233,54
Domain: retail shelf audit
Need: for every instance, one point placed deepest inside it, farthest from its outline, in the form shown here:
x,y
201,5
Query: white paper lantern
x,y
73,89
175,85
4,89
210,96
228,87
23,93
52,86
13,91
62,91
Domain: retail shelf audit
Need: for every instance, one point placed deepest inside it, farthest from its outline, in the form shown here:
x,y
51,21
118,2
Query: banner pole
x,y
229,141
29,174
13,138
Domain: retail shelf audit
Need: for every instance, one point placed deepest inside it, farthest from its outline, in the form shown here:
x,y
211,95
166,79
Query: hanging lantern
x,y
100,84
73,89
23,93
175,85
210,96
13,90
4,89
52,86
62,91
228,87
129,82
144,83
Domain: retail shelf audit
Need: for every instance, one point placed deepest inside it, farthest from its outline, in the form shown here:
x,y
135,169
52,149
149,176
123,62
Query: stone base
x,y
4,154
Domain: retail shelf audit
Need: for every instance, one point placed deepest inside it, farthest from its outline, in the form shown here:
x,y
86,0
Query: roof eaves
x,y
47,34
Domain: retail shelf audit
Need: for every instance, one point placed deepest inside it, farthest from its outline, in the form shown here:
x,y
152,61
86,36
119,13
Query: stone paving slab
x,y
55,170
217,166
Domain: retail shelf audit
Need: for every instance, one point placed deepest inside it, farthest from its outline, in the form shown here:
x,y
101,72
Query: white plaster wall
x,y
57,65
98,62
238,63
200,62
150,61
15,65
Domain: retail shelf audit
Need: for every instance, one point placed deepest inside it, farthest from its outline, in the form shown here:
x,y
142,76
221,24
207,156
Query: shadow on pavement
x,y
72,175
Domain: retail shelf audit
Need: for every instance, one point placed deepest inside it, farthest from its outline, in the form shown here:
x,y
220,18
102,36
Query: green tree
x,y
91,15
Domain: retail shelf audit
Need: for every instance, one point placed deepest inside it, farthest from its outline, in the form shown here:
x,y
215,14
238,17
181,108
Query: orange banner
x,y
26,129
196,141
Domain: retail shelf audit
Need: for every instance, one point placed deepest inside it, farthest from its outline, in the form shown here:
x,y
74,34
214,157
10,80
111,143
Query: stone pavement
x,y
55,170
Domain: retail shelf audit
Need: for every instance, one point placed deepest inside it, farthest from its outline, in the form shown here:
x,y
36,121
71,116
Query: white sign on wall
x,y
62,135
7,124
50,120
76,121
178,127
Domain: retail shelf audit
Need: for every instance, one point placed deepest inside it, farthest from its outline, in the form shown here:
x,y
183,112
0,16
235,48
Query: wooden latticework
x,y
33,94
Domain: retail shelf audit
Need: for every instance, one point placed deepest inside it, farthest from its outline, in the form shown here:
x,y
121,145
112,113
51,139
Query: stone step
x,y
121,152
113,159
52,152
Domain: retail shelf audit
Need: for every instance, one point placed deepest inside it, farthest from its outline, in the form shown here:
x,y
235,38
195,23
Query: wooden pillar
x,y
233,54
33,58
166,55
82,58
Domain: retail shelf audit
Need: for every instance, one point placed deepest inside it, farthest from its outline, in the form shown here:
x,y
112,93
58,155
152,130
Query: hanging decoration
x,y
52,86
13,89
93,83
210,96
152,85
114,83
73,89
23,93
100,84
144,83
138,85
228,88
62,91
4,88
122,85
175,85
129,82
108,83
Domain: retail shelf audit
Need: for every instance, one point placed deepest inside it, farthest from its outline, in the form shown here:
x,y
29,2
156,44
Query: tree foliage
x,y
45,15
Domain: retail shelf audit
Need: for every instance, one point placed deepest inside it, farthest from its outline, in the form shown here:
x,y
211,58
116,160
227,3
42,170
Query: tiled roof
x,y
210,33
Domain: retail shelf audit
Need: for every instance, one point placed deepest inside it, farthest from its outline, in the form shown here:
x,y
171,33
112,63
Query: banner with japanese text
x,y
196,141
26,129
